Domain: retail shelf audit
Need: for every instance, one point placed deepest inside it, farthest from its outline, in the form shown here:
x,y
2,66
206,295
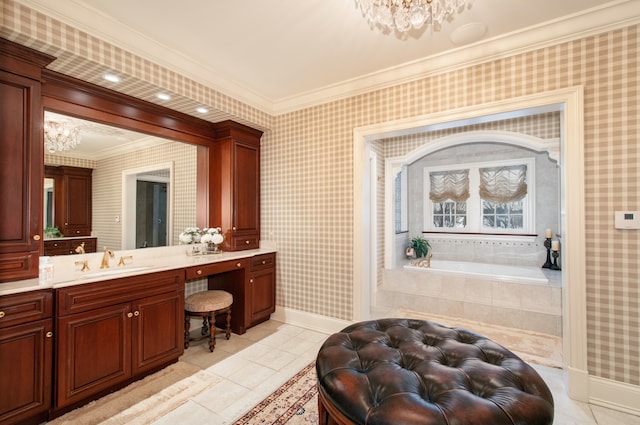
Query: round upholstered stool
x,y
402,371
207,305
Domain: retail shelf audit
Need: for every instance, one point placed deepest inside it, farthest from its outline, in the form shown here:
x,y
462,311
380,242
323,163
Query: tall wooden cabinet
x,y
21,162
234,164
72,199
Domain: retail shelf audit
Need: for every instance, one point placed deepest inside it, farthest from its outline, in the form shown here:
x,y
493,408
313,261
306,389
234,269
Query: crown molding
x,y
609,16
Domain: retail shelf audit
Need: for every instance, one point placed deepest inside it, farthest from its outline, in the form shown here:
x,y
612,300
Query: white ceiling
x,y
279,54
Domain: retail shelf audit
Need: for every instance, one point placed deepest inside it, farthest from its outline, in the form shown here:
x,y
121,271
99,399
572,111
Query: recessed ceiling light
x,y
163,96
202,109
111,77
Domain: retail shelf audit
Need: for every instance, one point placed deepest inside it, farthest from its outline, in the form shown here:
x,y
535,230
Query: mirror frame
x,y
70,96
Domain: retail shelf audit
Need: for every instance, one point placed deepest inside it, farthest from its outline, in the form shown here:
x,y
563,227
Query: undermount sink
x,y
111,272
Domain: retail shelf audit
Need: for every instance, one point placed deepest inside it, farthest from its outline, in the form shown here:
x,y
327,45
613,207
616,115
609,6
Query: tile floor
x,y
253,365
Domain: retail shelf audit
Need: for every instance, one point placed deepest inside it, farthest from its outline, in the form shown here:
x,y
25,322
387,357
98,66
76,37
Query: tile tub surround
x,y
531,307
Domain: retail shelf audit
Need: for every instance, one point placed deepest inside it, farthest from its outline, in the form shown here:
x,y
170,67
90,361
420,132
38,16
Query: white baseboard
x,y
311,321
614,395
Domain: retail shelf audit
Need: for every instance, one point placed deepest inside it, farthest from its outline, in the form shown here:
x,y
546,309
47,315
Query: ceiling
x,y
279,55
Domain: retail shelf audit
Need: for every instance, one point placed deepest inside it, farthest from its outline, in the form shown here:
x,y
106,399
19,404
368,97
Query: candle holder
x,y
555,266
548,264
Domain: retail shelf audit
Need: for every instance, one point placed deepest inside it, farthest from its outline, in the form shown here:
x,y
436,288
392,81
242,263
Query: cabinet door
x,y
157,329
20,176
94,352
246,191
262,295
76,201
26,357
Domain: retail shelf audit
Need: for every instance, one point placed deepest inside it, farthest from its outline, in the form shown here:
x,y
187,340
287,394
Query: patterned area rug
x,y
295,402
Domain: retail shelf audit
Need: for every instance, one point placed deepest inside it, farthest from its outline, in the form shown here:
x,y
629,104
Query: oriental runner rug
x,y
295,402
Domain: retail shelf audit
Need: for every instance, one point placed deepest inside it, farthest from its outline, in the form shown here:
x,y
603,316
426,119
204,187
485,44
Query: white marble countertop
x,y
149,260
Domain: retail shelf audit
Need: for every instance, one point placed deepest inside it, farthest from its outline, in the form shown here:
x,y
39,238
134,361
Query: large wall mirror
x,y
143,189
149,163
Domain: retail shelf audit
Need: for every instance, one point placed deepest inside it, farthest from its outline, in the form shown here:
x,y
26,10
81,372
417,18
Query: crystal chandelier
x,y
402,15
60,136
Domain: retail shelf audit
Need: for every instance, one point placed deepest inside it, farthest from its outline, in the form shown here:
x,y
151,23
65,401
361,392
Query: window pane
x,y
516,222
502,221
437,221
501,208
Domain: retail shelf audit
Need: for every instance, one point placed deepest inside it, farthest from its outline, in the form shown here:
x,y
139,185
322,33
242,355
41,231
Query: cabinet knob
x,y
251,280
36,237
49,334
136,313
233,228
66,224
264,261
1,314
199,272
247,242
239,265
77,231
129,314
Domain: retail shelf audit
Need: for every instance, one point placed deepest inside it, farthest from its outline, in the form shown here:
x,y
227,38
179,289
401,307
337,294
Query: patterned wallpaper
x,y
307,163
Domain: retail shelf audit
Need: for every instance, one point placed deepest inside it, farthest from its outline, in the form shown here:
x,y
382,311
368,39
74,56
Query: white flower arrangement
x,y
212,235
190,235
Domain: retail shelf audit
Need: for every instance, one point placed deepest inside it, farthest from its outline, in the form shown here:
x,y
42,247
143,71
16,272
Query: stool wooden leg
x,y
187,326
212,332
228,328
205,325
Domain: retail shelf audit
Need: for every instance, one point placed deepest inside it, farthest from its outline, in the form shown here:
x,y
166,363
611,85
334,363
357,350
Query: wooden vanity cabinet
x,y
261,291
111,333
252,283
21,161
26,356
64,246
235,181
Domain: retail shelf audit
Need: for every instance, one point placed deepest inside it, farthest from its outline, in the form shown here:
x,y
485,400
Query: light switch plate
x,y
627,219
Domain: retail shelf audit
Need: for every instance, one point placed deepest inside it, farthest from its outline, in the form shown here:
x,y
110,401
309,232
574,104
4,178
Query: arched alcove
x,y
394,165
570,102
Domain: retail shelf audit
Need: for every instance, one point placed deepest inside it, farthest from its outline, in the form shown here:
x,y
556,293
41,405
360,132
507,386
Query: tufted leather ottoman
x,y
403,371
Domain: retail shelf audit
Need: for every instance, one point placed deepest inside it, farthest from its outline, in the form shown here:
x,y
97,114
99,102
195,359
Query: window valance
x,y
503,184
453,185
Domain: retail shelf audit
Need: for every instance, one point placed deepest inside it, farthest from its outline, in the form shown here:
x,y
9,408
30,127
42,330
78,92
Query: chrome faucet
x,y
105,258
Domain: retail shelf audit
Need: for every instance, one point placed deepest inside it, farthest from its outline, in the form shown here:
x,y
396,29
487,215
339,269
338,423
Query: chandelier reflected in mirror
x,y
403,15
60,136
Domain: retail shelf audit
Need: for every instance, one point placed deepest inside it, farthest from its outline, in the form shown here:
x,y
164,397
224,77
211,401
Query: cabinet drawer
x,y
263,261
204,270
76,299
239,242
24,308
57,247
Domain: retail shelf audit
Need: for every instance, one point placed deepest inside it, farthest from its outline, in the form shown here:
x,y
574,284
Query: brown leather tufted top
x,y
402,371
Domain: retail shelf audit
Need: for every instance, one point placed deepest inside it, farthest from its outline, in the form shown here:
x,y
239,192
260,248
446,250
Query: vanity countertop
x,y
68,273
